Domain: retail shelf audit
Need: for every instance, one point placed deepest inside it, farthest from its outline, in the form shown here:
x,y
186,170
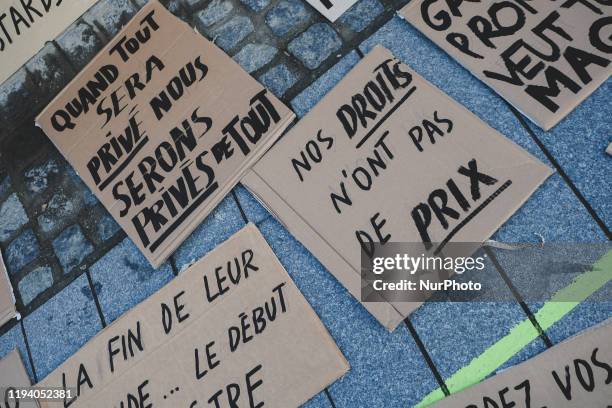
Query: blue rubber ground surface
x,y
387,369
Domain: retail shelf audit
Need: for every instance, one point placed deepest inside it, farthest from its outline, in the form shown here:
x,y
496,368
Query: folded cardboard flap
x,y
232,327
161,125
576,373
13,377
371,160
7,297
543,58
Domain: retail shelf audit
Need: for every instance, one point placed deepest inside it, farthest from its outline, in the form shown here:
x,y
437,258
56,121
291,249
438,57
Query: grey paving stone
x,y
222,223
106,227
61,326
34,283
14,94
60,211
254,56
23,250
12,217
256,5
228,35
37,178
216,11
361,14
287,15
71,247
123,278
315,45
13,339
80,43
5,186
111,15
50,73
278,79
88,197
310,96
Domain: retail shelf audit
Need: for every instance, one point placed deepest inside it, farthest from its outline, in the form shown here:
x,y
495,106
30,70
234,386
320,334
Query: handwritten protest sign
x,y
575,373
385,157
161,125
25,27
233,330
13,377
331,9
544,57
7,299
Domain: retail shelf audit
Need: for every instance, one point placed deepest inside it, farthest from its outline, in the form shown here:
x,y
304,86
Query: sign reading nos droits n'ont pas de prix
x,y
387,157
161,125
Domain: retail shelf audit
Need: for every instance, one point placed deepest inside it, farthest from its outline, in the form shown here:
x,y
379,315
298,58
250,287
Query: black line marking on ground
x,y
28,351
173,265
518,297
426,356
95,298
329,397
562,173
242,213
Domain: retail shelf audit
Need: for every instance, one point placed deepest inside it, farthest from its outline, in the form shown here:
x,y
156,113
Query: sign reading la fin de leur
x,y
544,57
25,27
387,157
161,125
232,330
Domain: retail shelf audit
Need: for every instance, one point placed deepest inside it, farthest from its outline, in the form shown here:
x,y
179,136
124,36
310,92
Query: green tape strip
x,y
524,333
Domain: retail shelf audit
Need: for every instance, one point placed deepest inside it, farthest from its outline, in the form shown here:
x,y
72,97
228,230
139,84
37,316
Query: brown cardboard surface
x,y
13,376
29,25
544,57
239,290
7,298
330,184
575,373
161,125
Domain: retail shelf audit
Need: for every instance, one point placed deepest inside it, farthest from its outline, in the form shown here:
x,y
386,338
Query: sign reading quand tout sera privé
x,y
544,57
161,125
25,27
387,157
232,330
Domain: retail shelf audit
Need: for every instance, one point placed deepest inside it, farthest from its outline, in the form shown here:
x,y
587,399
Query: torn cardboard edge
x,y
144,198
8,310
575,372
321,124
576,74
13,376
298,355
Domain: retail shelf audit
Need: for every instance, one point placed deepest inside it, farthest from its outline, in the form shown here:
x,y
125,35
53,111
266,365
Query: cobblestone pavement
x,y
62,248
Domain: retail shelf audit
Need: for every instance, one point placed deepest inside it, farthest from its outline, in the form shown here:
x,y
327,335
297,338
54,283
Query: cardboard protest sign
x,y
387,157
575,373
544,57
232,330
13,377
161,125
25,27
332,9
7,298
